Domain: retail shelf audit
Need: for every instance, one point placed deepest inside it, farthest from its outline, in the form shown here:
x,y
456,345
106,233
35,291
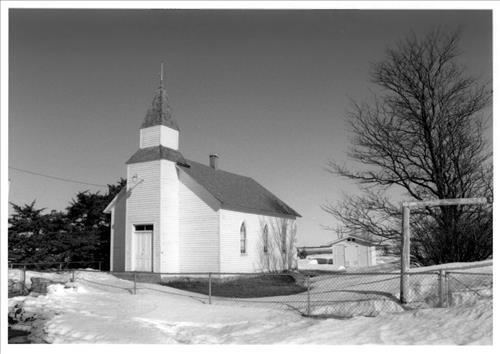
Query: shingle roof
x,y
160,112
236,192
159,152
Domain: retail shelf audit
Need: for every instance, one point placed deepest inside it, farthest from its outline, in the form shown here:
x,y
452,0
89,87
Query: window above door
x,y
143,227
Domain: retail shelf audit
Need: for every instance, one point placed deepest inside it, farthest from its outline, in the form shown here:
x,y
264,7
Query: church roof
x,y
236,192
160,112
159,152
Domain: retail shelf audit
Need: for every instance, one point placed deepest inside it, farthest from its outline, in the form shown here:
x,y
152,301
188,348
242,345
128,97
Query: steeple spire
x,y
160,113
161,75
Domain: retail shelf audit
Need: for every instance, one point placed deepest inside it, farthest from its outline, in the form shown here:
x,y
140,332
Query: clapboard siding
x,y
150,137
118,235
199,228
231,259
169,221
255,260
143,206
159,135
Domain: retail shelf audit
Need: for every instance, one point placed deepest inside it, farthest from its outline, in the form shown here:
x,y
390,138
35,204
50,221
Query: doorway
x,y
143,248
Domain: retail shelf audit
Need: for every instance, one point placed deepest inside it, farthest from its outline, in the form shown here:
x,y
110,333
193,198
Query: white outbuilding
x,y
353,251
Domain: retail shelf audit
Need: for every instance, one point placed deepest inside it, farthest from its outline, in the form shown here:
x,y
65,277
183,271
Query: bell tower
x,y
159,126
153,191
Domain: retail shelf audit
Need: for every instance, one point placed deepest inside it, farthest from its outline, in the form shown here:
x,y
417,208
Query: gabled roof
x,y
159,152
112,203
236,192
360,239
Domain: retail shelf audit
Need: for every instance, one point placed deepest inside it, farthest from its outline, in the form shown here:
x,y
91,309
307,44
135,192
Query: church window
x,y
243,238
147,227
265,239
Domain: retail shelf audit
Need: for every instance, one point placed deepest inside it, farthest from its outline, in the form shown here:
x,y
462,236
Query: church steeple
x,y
160,112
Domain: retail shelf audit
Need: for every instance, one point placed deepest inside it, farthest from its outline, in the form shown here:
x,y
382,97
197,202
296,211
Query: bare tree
x,y
421,135
276,247
269,259
372,214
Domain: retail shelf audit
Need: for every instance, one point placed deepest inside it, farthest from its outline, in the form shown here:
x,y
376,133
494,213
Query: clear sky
x,y
266,90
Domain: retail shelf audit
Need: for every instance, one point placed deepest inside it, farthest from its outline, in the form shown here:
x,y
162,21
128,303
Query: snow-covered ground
x,y
312,264
100,308
384,263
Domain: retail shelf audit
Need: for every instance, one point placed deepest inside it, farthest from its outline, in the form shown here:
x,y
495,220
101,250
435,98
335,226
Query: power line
x,y
55,177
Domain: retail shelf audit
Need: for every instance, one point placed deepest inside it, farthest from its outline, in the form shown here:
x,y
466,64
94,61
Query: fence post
x,y
442,288
24,278
60,266
447,289
405,256
135,283
308,295
73,276
209,288
100,265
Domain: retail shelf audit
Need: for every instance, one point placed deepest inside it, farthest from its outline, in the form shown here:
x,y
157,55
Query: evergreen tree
x,y
79,234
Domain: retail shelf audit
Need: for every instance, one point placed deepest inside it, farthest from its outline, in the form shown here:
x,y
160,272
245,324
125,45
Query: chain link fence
x,y
20,274
465,287
55,266
325,295
312,294
339,295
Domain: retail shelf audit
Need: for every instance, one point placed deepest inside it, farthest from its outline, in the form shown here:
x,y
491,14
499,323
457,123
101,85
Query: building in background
x,y
346,252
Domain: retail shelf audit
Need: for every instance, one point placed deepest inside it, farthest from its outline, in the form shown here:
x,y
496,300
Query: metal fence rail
x,y
465,287
20,287
322,295
56,265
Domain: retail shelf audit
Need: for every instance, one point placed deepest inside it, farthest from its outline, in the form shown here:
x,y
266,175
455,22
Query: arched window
x,y
265,239
283,237
243,238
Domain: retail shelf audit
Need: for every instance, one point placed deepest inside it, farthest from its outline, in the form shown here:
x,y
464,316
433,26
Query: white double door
x,y
143,251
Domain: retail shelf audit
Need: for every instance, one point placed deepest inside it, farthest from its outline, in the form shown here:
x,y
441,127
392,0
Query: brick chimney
x,y
214,161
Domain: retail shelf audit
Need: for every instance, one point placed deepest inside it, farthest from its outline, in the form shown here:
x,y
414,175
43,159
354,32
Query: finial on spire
x,y
160,113
161,74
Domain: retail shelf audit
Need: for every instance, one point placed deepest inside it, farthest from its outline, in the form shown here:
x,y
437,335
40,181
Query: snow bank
x,y
157,315
381,259
370,308
466,324
464,267
17,275
312,264
102,309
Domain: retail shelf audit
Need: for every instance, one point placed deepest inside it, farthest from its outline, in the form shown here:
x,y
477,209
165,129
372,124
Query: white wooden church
x,y
177,215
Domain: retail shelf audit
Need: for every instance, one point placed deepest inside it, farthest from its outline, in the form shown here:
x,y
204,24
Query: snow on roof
x,y
361,239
